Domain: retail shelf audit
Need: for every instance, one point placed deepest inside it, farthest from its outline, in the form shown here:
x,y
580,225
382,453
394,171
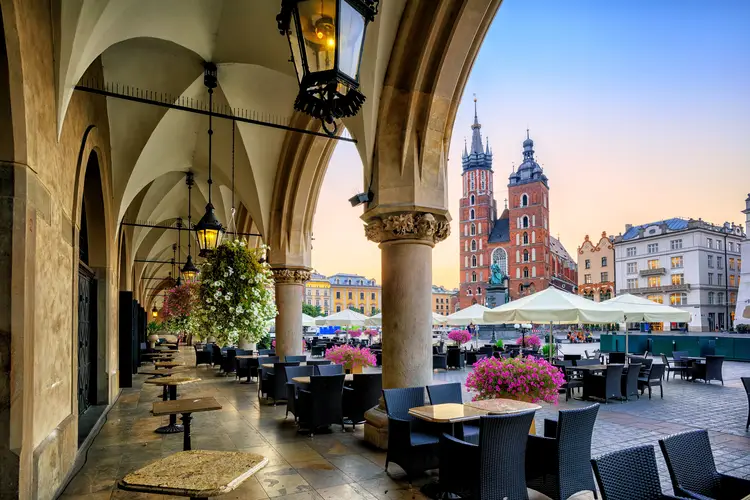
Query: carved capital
x,y
408,226
291,276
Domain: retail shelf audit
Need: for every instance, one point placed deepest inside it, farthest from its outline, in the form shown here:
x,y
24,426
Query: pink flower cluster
x,y
355,333
529,379
370,332
179,301
529,341
351,356
459,336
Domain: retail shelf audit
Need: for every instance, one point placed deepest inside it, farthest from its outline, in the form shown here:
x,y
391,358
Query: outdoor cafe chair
x,y
558,463
673,367
746,383
629,381
329,369
202,356
292,387
262,373
710,370
275,383
692,470
451,393
321,404
411,443
617,357
362,395
606,386
628,474
495,467
652,378
439,362
318,362
298,359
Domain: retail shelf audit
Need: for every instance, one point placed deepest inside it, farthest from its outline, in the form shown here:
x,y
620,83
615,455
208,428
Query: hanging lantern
x,y
326,38
189,271
154,311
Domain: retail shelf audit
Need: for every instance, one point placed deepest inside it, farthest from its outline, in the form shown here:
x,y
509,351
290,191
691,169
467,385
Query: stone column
x,y
290,290
406,240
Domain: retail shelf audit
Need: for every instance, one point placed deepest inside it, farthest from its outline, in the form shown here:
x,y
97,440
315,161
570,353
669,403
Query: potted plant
x,y
353,358
178,308
499,345
525,379
529,342
154,328
355,333
460,337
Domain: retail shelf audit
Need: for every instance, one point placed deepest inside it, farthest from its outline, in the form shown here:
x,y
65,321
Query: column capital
x,y
291,275
408,226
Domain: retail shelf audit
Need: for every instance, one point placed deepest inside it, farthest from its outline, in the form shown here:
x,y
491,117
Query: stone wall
x,y
42,188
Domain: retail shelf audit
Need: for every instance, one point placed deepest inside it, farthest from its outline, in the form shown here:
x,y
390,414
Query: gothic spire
x,y
476,134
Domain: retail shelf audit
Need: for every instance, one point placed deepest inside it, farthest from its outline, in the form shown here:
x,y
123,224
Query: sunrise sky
x,y
639,110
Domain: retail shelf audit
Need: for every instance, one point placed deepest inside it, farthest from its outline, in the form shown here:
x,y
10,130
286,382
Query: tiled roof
x,y
674,224
557,248
500,231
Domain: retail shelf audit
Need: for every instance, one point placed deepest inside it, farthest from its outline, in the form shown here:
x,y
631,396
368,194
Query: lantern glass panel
x,y
317,26
351,36
208,239
294,45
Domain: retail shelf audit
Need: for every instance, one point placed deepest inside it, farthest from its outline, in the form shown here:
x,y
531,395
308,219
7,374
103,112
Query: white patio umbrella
x,y
307,320
637,309
553,306
472,314
377,320
347,317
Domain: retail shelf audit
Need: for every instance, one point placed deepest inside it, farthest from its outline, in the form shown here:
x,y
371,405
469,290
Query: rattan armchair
x,y
710,370
692,470
320,405
451,393
652,378
629,474
329,369
746,384
605,386
275,383
629,381
292,387
363,395
202,356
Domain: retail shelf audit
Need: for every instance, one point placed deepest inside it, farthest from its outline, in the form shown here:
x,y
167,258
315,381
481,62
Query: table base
x,y
170,429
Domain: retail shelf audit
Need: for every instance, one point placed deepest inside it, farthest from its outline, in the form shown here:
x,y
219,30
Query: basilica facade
x,y
516,245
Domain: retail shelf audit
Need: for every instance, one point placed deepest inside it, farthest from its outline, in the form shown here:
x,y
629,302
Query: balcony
x,y
685,287
653,272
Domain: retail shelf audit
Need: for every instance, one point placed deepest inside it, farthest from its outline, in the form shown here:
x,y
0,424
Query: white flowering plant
x,y
235,292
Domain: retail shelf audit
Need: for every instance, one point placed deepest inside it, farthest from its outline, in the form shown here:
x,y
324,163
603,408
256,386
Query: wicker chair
x,y
216,355
746,383
451,393
493,469
629,381
628,474
412,444
227,362
557,464
320,406
329,369
318,362
298,359
672,368
262,373
605,386
275,383
572,381
652,378
439,362
617,357
317,350
363,394
692,469
710,370
292,387
456,358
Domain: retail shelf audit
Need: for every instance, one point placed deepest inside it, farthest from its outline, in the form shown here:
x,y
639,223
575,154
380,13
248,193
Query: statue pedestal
x,y
496,295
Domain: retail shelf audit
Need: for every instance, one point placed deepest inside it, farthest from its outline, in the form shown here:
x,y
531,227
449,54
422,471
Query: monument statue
x,y
497,277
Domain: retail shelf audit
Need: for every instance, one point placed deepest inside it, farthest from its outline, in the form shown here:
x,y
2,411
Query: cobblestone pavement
x,y
341,466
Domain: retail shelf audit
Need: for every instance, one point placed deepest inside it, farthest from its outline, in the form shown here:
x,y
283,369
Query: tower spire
x,y
476,134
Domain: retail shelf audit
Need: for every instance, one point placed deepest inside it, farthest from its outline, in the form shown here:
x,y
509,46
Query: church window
x,y
544,197
525,238
483,184
467,277
500,257
525,255
481,275
525,200
473,245
533,236
525,272
471,202
533,272
471,214
468,292
473,277
479,290
473,261
525,221
533,254
472,182
545,223
473,230
466,230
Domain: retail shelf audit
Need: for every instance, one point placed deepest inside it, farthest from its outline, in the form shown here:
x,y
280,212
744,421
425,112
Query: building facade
x,y
352,291
519,240
684,263
442,299
318,293
742,309
596,268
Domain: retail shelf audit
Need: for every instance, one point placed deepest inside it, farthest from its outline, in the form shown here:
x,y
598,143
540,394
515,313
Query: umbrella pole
x,y
551,342
626,338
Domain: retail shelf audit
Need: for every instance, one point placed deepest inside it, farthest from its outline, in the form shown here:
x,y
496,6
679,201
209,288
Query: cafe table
x,y
247,356
502,406
306,380
159,373
197,474
168,364
171,395
186,407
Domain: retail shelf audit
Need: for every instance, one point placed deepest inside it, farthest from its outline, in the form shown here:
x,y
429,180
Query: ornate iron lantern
x,y
326,38
154,311
189,271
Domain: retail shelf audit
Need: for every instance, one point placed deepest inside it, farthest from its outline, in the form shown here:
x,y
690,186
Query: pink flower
x,y
459,336
353,356
534,379
529,341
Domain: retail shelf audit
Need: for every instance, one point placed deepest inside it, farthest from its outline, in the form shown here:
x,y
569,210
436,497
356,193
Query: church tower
x,y
476,214
529,254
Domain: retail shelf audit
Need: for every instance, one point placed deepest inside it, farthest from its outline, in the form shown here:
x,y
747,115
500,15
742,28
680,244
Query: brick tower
x,y
529,255
477,214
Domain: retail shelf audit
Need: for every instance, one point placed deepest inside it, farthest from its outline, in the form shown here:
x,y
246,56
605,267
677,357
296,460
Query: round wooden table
x,y
170,394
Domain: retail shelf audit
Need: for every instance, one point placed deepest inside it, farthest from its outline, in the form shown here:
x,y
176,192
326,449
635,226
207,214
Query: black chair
x,y
710,370
264,352
439,362
412,444
572,357
318,362
746,383
262,373
275,383
628,474
216,355
329,369
321,405
557,464
317,350
692,470
652,378
455,358
572,380
298,359
451,393
227,362
362,395
202,356
629,381
617,357
291,387
673,368
606,386
493,469
586,362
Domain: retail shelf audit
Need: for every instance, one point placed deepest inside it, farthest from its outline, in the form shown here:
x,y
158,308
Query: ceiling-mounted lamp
x,y
326,38
189,271
209,230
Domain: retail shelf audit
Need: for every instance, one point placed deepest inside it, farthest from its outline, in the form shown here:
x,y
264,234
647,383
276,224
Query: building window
x,y
678,299
471,214
525,200
710,261
632,267
473,230
317,302
730,245
678,279
675,244
473,245
605,277
654,281
731,280
710,297
338,295
479,290
350,295
653,264
720,298
587,279
732,298
632,283
652,248
372,296
731,264
630,251
472,200
656,298
719,262
525,272
473,277
710,278
338,309
372,310
473,261
468,292
525,221
718,244
677,262
525,255
721,278
604,262
709,243
587,264
361,295
525,238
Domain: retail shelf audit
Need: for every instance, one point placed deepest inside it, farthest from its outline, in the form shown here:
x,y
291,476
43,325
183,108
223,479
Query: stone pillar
x,y
406,240
290,290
